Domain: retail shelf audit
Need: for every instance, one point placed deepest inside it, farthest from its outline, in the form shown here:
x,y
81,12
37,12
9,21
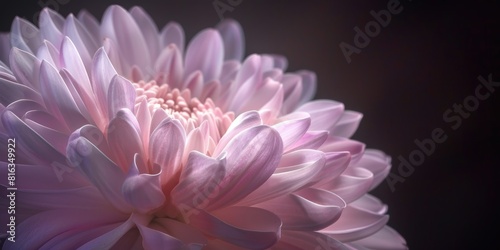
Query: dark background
x,y
427,59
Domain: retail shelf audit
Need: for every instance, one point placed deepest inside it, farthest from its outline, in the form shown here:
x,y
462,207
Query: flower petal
x,y
58,98
292,127
31,143
324,113
148,29
355,224
102,74
33,233
99,170
247,227
12,91
124,138
307,210
308,85
385,238
120,26
142,191
376,162
25,36
107,240
295,171
51,26
172,33
205,52
252,156
170,64
199,183
83,40
297,240
166,146
234,41
244,121
347,125
121,94
351,184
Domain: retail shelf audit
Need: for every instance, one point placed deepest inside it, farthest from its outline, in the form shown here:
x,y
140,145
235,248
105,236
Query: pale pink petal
x,y
296,240
197,140
292,127
205,52
244,121
44,177
295,171
102,74
87,197
278,61
108,239
199,183
355,224
306,210
49,53
182,231
251,158
90,23
99,170
351,184
378,163
264,95
142,191
156,240
119,26
24,35
94,136
234,41
12,91
324,113
369,203
77,237
58,98
25,67
166,146
247,227
347,125
144,118
57,138
124,138
84,41
335,144
335,164
172,33
247,81
308,85
170,64
292,88
385,238
148,29
310,140
273,106
121,94
33,233
38,149
51,25
194,82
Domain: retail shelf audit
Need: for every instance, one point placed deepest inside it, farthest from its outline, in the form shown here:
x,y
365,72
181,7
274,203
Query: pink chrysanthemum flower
x,y
126,140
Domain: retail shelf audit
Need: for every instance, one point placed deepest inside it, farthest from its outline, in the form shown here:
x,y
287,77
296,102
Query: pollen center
x,y
181,105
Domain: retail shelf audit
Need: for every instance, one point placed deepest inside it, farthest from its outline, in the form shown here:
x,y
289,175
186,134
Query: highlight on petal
x,y
205,53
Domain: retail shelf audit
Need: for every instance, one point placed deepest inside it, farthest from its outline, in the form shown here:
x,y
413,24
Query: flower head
x,y
126,139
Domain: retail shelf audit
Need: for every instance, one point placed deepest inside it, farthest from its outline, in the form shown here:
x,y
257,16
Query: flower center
x,y
180,105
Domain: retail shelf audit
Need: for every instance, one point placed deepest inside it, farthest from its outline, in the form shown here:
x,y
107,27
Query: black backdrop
x,y
425,60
